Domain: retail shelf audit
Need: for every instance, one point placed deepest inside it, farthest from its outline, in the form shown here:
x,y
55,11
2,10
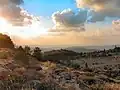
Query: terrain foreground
x,y
98,74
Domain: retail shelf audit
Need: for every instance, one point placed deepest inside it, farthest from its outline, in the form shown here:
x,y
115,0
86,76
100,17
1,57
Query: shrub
x,y
75,66
20,48
37,53
49,86
27,50
22,58
3,55
97,87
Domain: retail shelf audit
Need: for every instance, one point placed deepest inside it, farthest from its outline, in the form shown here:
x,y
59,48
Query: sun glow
x,y
34,30
4,25
3,22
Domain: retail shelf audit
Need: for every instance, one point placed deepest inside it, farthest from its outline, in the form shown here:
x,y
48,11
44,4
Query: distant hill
x,y
60,54
107,47
71,48
80,49
76,48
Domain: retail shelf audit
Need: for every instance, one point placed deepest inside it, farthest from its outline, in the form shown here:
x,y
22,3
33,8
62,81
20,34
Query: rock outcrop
x,y
5,41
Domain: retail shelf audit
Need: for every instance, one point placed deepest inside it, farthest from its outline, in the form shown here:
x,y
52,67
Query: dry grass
x,y
112,87
49,64
4,55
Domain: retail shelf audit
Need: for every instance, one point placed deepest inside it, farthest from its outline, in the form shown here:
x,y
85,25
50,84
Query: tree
x,y
20,48
27,50
37,53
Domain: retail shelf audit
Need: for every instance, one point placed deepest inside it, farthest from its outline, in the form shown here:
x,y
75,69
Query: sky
x,y
61,22
48,7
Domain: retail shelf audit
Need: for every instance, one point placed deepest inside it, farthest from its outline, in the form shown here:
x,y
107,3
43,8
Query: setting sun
x,y
23,31
4,25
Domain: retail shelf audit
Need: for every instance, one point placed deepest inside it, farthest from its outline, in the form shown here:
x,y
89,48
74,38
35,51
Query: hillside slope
x,y
5,41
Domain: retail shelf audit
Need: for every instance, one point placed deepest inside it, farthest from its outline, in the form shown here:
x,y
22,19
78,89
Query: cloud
x,y
102,15
99,4
100,9
68,20
14,14
16,2
96,37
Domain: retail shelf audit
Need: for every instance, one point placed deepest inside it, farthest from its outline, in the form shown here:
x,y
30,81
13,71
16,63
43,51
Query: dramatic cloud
x,y
67,20
101,8
101,15
10,10
16,2
99,4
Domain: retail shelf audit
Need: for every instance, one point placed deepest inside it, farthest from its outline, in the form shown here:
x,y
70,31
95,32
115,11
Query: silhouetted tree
x,y
20,48
116,49
37,53
27,50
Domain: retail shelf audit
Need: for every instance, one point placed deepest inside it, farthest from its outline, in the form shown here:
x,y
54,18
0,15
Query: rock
x,y
6,42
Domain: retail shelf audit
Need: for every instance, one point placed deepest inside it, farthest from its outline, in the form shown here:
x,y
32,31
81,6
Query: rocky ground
x,y
101,74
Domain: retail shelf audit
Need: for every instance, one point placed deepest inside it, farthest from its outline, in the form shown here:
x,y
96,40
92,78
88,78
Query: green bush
x,y
75,65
